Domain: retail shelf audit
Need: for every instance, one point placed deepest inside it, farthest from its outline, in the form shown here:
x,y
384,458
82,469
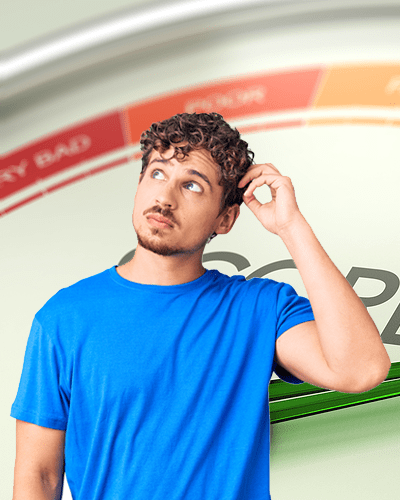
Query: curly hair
x,y
207,131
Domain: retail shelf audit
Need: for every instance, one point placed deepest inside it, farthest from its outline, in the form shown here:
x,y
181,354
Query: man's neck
x,y
149,268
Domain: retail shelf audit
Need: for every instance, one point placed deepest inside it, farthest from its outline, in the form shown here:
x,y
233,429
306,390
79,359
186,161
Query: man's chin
x,y
163,249
159,247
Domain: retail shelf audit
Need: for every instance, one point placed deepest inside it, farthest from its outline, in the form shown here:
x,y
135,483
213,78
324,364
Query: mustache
x,y
165,212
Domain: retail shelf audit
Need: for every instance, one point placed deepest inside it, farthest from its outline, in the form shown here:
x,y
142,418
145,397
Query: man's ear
x,y
227,219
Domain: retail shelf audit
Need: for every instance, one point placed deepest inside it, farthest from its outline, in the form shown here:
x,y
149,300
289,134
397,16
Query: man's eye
x,y
193,186
157,174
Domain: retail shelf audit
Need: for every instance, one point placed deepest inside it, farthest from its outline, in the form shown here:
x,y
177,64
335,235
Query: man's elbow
x,y
367,379
44,484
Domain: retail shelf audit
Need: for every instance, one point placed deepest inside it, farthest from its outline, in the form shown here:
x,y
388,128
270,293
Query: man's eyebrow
x,y
199,174
161,160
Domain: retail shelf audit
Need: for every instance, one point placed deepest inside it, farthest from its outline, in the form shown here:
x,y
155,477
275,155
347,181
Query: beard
x,y
154,242
159,247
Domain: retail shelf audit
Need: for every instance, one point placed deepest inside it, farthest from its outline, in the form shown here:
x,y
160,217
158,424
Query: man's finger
x,y
267,179
256,171
252,202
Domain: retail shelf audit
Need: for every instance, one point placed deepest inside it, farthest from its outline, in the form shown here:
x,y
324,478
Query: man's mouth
x,y
159,220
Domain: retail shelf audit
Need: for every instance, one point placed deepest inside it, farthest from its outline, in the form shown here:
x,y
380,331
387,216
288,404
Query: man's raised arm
x,y
342,350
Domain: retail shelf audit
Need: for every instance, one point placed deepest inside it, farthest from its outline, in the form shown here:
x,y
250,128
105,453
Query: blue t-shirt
x,y
162,390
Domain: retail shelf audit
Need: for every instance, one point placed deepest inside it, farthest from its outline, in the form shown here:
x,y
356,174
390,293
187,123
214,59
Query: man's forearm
x,y
349,338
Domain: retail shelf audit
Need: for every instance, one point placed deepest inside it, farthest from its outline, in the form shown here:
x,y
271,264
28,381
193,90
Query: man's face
x,y
177,204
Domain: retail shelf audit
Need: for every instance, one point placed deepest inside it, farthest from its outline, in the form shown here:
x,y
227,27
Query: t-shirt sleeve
x,y
292,309
41,400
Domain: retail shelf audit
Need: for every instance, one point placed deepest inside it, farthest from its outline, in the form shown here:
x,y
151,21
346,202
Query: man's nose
x,y
167,195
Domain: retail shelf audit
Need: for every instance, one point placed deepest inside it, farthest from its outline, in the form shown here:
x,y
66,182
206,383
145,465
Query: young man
x,y
151,378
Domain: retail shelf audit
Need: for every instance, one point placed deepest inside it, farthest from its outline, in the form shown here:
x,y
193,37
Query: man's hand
x,y
282,210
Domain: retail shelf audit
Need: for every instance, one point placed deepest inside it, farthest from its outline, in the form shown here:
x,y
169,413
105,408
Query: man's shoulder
x,y
83,291
240,284
85,285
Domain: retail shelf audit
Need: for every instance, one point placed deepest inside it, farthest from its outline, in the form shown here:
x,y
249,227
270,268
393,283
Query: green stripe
x,y
288,401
